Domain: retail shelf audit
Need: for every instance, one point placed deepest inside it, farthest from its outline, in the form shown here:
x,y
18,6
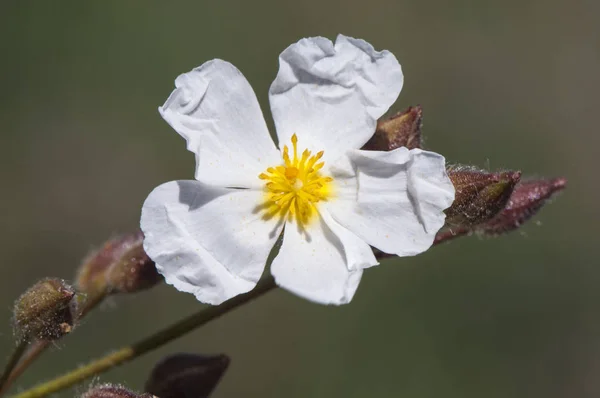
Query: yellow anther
x,y
295,144
291,173
286,156
294,188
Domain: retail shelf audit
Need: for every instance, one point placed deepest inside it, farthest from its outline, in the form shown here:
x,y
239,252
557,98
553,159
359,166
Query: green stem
x,y
35,350
152,342
12,361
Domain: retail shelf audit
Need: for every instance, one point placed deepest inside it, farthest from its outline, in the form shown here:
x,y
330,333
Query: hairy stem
x,y
152,342
12,362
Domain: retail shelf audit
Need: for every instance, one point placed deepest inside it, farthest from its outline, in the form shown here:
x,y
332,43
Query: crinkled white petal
x,y
313,264
392,200
216,111
205,240
332,95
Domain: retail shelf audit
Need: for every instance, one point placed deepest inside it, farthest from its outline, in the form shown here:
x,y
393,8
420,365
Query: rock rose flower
x,y
331,201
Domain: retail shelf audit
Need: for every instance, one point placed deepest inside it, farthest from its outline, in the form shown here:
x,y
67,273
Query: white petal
x,y
359,254
216,111
205,240
393,200
314,266
331,96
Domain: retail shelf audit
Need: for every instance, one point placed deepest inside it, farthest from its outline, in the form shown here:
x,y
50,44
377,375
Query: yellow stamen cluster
x,y
294,188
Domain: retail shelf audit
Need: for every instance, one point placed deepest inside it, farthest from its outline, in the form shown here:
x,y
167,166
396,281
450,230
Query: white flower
x,y
212,236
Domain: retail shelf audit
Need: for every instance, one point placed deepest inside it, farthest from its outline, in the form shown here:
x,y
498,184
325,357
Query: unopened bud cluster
x,y
50,308
521,201
485,202
46,311
120,266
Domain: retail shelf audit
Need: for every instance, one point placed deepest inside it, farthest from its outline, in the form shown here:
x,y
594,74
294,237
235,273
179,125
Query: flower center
x,y
294,188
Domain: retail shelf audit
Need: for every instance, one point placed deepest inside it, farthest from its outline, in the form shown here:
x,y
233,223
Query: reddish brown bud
x,y
527,198
133,272
479,195
401,129
91,276
121,265
112,391
46,311
186,375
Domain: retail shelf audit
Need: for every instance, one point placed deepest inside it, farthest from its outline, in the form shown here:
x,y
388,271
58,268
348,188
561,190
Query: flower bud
x,y
401,129
120,266
525,201
479,195
91,275
46,311
186,375
112,391
133,272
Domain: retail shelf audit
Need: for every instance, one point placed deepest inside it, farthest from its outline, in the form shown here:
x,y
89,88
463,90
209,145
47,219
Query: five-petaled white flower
x,y
332,201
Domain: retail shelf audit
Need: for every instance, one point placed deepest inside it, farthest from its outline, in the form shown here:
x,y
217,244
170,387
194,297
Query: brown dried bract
x,y
401,129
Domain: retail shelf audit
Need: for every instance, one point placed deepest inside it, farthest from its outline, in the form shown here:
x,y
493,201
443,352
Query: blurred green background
x,y
511,84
